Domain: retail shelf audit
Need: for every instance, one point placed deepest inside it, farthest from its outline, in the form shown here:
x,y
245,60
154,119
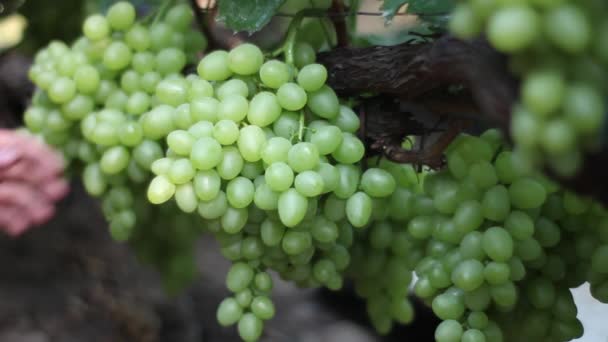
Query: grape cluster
x,y
497,247
90,101
560,51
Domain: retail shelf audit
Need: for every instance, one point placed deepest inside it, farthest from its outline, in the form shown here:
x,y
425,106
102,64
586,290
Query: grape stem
x,y
302,123
287,48
162,10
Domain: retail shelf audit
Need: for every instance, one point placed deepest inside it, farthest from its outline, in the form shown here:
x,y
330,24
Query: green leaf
x,y
419,7
247,15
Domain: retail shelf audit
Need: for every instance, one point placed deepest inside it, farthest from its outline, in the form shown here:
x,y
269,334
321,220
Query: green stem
x,y
301,129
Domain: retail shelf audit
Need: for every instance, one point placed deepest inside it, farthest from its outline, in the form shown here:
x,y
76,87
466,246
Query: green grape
x,y
274,74
205,109
206,153
567,27
207,185
96,27
87,79
513,28
232,87
232,163
160,190
114,160
146,153
346,120
557,137
546,232
526,193
543,92
287,125
304,54
264,109
161,34
272,232
180,142
468,275
161,166
149,80
234,220
240,192
483,175
170,60
229,312
350,151
324,103
327,139
214,208
117,56
245,59
226,132
377,182
215,66
291,207
448,331
447,306
312,77
498,244
359,209
62,90
262,308
584,108
251,143
303,156
158,122
185,198
138,103
181,171
496,203
309,183
291,96
496,273
78,108
244,298
473,335
348,181
121,15
519,225
265,198
250,327
172,92
93,180
180,17
464,22
239,277
138,39
477,320
276,150
295,242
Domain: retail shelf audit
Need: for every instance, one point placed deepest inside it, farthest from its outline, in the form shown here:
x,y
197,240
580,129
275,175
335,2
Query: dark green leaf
x,y
247,15
420,7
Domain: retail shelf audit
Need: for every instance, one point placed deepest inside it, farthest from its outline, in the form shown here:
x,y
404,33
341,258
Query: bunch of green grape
x,y
497,247
89,103
560,51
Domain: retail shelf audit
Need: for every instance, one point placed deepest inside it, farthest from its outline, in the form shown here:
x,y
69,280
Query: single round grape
x,y
543,92
350,151
496,203
309,183
245,59
448,331
214,208
206,153
239,192
149,81
96,27
180,142
121,15
468,275
274,74
181,171
264,109
526,193
265,198
232,87
234,107
214,66
180,17
239,277
359,209
447,306
464,22
477,320
496,273
226,132
206,109
324,103
557,136
114,160
250,327
568,28
473,335
87,79
584,108
512,29
304,54
172,92
251,143
185,198
292,207
498,244
262,307
291,96
279,176
377,182
161,35
138,103
170,60
158,122
232,163
312,77
327,139
295,242
62,90
303,156
229,312
346,120
138,39
519,225
117,56
199,89
207,185
276,150
160,190
201,129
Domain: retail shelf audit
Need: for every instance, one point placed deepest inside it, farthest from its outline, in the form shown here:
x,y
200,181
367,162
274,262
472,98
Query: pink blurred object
x,y
30,182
